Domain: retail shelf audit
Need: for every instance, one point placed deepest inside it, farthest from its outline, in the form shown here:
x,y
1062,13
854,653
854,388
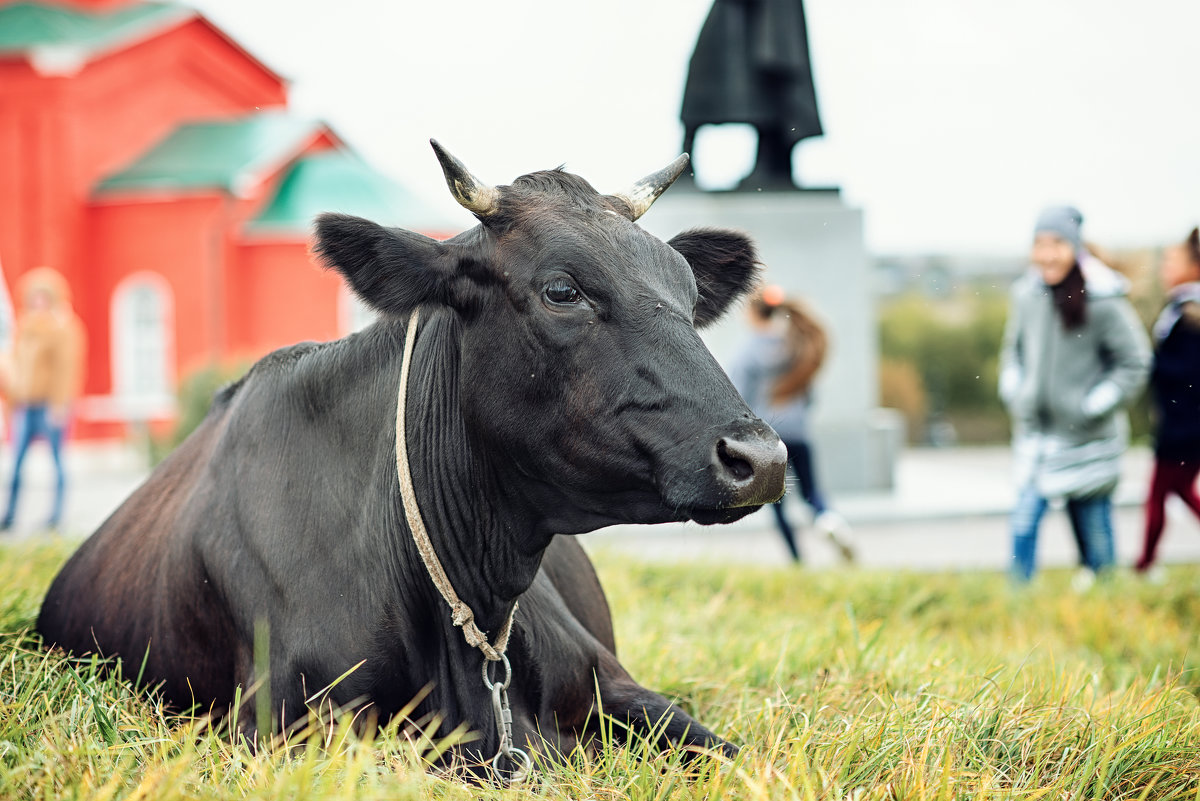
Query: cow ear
x,y
725,265
393,270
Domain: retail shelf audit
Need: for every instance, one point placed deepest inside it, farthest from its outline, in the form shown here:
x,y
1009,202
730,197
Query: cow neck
x,y
461,614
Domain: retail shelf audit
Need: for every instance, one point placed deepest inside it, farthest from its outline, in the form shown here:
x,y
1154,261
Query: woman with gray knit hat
x,y
1074,355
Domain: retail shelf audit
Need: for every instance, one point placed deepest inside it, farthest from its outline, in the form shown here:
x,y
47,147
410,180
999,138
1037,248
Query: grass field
x,y
838,685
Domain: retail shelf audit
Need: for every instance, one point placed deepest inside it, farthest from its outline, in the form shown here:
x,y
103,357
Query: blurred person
x,y
6,334
774,373
47,372
1074,355
1175,387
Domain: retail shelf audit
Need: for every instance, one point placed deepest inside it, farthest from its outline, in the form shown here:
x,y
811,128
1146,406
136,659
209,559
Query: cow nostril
x,y
739,468
749,471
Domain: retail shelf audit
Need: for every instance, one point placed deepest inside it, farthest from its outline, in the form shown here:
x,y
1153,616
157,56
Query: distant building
x,y
154,162
942,275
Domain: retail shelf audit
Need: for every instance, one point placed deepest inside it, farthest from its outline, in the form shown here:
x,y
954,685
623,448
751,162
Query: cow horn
x,y
643,194
473,195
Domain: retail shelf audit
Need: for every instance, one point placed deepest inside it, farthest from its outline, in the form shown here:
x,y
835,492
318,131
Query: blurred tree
x,y
196,393
953,346
901,388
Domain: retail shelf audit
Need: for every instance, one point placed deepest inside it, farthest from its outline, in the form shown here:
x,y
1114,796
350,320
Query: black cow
x,y
557,385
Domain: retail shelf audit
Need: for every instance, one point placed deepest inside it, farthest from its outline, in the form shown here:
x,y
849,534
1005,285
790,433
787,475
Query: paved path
x,y
933,544
948,511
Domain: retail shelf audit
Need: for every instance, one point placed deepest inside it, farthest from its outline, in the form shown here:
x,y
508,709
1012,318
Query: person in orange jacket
x,y
46,376
774,373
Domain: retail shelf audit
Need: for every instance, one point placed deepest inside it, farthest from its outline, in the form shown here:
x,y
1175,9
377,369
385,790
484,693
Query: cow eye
x,y
560,290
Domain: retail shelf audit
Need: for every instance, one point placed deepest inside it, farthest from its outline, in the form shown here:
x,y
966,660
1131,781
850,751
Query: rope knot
x,y
478,639
461,614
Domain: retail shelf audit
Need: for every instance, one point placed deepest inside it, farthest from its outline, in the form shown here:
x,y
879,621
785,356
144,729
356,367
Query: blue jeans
x,y
1091,522
30,422
800,458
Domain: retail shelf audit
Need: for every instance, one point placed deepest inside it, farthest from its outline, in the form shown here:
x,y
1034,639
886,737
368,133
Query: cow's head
x,y
581,365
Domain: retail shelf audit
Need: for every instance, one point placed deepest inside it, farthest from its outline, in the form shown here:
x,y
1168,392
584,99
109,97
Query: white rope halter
x,y
460,613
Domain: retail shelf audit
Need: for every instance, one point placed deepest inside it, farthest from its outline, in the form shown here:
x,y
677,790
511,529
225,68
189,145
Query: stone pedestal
x,y
812,245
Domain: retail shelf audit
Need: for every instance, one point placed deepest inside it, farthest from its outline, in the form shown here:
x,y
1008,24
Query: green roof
x,y
220,154
65,33
335,180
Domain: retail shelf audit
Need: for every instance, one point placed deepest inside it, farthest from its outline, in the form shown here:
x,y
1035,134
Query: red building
x,y
154,162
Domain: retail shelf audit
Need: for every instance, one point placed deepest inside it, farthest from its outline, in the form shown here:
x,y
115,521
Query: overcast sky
x,y
950,122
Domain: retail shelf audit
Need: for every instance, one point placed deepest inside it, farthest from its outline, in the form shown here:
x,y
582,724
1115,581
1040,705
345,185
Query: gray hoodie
x,y
1066,389
760,363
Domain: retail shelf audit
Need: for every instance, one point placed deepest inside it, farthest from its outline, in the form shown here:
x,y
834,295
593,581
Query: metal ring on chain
x,y
524,765
487,682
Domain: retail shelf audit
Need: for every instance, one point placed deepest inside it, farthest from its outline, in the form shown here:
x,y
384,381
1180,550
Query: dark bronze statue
x,y
751,65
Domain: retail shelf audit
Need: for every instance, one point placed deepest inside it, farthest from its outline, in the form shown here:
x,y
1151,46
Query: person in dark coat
x,y
1175,385
751,65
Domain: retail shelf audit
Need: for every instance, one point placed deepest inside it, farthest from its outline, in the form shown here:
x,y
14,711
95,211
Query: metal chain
x,y
523,764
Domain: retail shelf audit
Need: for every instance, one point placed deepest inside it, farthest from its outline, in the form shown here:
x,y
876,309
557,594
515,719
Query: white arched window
x,y
143,341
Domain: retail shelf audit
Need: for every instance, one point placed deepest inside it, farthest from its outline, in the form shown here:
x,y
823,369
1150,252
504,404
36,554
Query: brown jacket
x,y
48,350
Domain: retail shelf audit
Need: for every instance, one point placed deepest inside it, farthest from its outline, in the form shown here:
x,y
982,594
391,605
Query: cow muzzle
x,y
750,468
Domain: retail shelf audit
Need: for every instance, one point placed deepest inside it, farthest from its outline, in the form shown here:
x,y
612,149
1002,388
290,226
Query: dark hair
x,y
1192,243
806,342
1070,298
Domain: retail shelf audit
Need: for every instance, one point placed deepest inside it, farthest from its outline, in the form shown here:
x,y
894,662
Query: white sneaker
x,y
1083,580
1156,575
837,530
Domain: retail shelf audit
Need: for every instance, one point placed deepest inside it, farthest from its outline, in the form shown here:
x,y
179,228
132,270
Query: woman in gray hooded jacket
x,y
1074,355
